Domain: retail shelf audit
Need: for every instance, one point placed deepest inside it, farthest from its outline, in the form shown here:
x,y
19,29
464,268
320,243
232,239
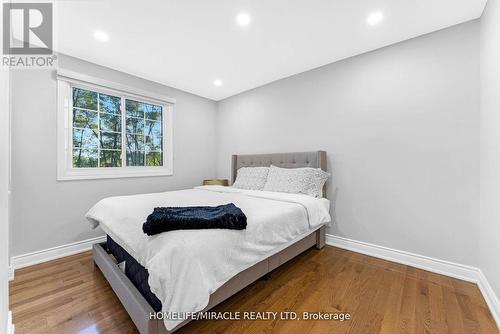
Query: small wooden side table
x,y
216,182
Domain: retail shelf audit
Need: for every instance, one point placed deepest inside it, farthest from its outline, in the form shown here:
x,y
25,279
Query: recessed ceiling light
x,y
375,18
218,82
243,19
101,36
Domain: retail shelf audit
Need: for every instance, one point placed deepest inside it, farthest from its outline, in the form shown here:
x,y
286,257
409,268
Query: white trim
x,y
94,174
10,326
79,78
5,161
490,297
65,170
460,271
456,270
11,273
29,259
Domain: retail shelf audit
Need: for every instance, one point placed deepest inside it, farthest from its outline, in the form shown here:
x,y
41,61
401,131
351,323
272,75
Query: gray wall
x,y
48,213
401,129
490,144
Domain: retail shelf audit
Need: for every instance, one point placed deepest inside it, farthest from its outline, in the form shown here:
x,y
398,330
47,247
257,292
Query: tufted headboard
x,y
316,159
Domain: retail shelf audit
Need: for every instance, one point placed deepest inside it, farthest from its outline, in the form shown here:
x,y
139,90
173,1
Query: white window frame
x,y
66,80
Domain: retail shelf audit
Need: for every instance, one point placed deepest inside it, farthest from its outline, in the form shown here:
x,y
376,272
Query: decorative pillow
x,y
251,178
307,180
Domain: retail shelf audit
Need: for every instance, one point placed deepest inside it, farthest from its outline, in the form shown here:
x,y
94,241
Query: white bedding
x,y
186,266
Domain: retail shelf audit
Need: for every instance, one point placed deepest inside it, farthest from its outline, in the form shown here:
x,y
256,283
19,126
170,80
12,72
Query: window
x,y
105,132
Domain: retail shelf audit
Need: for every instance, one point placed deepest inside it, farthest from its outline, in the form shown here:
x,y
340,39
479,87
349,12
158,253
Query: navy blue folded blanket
x,y
165,219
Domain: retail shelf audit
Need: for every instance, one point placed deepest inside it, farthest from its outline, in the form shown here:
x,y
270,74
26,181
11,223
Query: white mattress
x,y
187,266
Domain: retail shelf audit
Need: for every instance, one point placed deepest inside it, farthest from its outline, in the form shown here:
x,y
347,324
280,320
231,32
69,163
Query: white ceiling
x,y
187,44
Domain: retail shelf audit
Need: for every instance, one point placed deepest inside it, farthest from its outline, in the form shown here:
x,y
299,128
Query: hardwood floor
x,y
70,295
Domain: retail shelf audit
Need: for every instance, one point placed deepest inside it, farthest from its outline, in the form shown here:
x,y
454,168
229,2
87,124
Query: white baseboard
x,y
11,273
10,325
490,297
456,270
29,259
447,268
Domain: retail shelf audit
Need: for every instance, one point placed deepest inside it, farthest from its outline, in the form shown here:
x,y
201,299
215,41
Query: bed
x,y
159,271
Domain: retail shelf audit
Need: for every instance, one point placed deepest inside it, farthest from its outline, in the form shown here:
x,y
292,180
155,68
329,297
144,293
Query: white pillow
x,y
307,180
251,178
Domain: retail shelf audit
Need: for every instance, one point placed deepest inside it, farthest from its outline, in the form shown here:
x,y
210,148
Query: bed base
x,y
139,309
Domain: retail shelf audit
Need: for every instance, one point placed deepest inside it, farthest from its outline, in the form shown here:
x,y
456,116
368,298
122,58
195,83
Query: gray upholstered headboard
x,y
316,159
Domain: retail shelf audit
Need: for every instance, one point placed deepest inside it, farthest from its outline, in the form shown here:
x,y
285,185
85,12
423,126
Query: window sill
x,y
112,173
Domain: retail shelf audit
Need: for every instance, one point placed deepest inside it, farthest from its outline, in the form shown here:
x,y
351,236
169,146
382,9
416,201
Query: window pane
x,y
135,158
98,131
85,138
135,142
154,113
134,108
153,143
111,140
154,159
84,99
135,125
84,158
143,110
111,123
110,158
153,128
84,119
109,104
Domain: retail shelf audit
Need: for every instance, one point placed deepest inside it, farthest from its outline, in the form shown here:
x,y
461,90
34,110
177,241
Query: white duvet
x,y
187,266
